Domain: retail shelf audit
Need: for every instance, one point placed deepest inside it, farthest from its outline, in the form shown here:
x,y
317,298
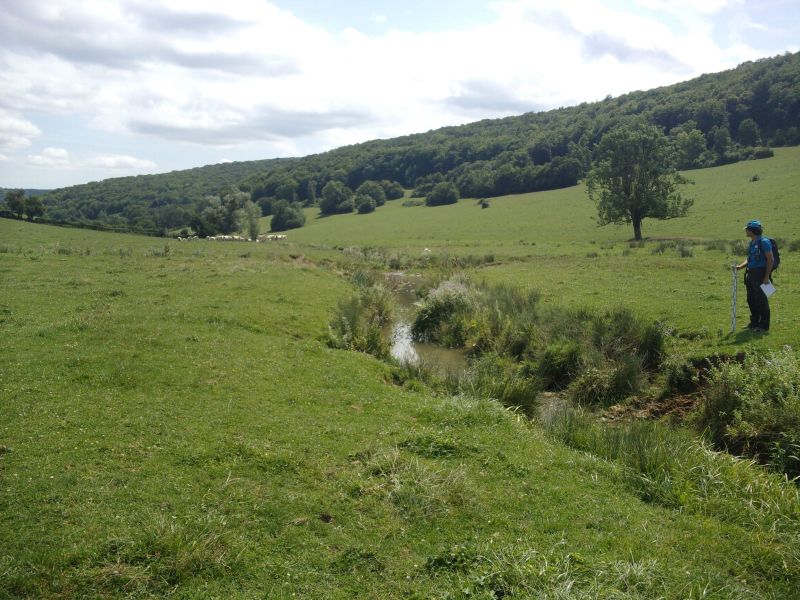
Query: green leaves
x,y
633,178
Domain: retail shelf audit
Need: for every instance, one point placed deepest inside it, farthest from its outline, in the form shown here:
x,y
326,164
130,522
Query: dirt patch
x,y
675,408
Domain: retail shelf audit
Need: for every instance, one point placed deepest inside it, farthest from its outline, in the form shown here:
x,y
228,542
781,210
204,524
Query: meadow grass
x,y
174,423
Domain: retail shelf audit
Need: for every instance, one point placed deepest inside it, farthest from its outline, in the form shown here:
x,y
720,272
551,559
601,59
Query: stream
x,y
404,347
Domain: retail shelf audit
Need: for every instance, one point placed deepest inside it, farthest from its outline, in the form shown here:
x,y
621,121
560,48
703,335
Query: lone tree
x,y
633,178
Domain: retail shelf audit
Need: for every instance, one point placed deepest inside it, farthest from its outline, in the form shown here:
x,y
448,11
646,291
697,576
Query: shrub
x,y
763,153
337,198
392,189
286,216
364,204
753,409
373,190
442,193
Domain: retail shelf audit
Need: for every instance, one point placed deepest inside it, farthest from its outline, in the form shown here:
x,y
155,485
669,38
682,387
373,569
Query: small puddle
x,y
404,347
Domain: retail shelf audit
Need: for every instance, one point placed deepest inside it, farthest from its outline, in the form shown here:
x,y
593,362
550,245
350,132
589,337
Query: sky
x,y
92,89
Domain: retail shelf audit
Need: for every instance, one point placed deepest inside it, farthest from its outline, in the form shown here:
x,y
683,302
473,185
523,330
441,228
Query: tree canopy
x,y
442,193
633,178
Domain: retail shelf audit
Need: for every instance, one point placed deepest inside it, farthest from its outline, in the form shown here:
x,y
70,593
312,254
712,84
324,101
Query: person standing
x,y
759,263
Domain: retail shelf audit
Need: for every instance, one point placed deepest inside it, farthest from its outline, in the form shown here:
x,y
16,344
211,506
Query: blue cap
x,y
754,224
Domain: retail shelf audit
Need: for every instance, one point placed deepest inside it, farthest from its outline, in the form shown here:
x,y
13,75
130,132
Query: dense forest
x,y
711,120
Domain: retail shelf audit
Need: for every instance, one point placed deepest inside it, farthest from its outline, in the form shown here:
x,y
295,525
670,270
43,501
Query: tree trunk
x,y
637,229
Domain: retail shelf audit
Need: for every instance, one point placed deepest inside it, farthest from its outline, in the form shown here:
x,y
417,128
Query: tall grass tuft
x,y
753,409
362,321
671,467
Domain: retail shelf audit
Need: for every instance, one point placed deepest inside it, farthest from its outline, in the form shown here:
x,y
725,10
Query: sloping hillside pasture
x,y
550,240
174,424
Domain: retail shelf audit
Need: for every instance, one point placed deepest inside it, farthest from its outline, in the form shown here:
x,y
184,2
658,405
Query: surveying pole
x,y
734,286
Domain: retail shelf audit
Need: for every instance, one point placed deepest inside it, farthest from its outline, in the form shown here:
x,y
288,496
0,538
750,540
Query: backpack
x,y
776,256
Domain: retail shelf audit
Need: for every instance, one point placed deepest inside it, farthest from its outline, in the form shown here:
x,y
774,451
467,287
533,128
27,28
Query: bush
x,y
392,189
337,198
286,216
753,409
364,204
373,190
763,153
442,193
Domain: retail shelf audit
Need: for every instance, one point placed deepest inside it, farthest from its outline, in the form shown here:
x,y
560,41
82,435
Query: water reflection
x,y
404,347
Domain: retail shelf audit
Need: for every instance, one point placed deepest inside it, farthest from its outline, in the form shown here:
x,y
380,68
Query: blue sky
x,y
98,88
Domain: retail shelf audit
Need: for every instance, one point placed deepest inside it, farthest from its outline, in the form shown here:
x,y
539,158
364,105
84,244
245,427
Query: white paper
x,y
768,288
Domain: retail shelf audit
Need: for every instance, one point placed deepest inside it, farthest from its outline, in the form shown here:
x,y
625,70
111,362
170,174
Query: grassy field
x,y
550,240
174,424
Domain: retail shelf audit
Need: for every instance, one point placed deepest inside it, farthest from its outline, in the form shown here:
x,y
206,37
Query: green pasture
x,y
550,240
173,424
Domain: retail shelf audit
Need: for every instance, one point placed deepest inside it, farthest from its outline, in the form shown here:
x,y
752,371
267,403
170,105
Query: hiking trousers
x,y
756,298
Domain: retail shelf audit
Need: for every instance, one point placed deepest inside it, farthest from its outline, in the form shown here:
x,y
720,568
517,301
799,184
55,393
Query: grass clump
x,y
162,555
753,409
494,376
415,487
361,322
489,571
608,384
443,316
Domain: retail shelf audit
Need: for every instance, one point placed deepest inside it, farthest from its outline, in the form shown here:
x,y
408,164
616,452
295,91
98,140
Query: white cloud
x,y
119,161
378,18
61,158
246,71
50,157
3,158
706,7
15,132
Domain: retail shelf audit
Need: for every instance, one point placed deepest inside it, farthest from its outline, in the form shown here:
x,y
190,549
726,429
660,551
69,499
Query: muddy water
x,y
404,347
